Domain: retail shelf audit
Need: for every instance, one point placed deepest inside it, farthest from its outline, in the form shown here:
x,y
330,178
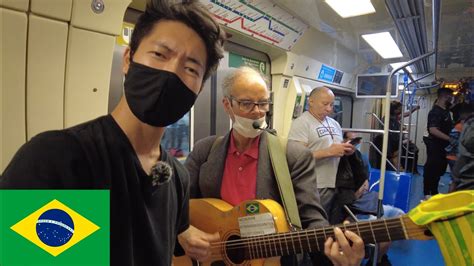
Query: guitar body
x,y
214,215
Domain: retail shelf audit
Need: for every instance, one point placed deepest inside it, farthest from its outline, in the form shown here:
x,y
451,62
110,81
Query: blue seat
x,y
396,190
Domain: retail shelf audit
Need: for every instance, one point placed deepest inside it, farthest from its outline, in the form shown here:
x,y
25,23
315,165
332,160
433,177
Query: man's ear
x,y
126,60
310,101
228,107
226,103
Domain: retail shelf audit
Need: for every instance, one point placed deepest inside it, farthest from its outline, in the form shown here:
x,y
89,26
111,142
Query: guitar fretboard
x,y
313,239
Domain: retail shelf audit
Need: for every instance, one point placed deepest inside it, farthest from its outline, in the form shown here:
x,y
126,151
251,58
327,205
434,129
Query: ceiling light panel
x,y
383,44
351,8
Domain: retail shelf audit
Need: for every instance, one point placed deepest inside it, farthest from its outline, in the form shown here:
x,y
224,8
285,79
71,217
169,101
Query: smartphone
x,y
355,140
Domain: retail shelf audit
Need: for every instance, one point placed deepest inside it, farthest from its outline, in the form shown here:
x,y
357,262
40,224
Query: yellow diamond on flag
x,y
55,227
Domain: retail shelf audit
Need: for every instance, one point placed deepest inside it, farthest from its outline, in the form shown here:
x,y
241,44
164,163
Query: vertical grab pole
x,y
416,135
407,152
383,163
400,134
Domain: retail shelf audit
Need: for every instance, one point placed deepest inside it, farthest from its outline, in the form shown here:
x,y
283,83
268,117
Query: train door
x,y
342,109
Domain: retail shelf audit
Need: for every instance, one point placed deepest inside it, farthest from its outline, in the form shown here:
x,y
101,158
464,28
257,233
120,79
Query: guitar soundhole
x,y
234,251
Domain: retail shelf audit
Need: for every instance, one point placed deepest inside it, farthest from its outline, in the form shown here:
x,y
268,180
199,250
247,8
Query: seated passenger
x,y
364,203
352,172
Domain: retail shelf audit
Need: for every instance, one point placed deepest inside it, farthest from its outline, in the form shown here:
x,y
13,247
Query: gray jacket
x,y
206,172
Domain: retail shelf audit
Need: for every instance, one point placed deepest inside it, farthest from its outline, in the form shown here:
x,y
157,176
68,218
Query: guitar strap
x,y
277,149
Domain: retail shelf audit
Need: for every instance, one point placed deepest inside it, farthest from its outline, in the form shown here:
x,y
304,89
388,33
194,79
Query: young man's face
x,y
174,47
246,89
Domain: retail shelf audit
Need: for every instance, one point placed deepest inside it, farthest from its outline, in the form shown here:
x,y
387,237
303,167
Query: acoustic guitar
x,y
264,246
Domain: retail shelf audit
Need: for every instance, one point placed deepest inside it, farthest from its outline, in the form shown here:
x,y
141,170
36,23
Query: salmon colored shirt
x,y
239,181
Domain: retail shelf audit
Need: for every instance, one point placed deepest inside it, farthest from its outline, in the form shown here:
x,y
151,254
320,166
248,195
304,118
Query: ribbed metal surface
x,y
409,18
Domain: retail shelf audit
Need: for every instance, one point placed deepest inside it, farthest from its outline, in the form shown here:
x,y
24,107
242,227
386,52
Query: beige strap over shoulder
x,y
277,149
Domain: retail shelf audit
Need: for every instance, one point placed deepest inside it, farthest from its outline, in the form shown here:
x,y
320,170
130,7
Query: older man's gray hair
x,y
229,80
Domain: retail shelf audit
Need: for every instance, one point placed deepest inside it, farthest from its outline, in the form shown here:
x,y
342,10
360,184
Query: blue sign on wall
x,y
326,73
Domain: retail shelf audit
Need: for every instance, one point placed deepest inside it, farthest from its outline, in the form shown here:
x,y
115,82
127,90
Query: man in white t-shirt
x,y
323,136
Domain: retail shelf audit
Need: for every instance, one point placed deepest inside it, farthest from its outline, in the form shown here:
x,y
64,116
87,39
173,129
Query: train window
x,y
342,110
177,137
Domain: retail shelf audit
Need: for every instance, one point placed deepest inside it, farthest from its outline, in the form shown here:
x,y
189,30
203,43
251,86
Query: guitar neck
x,y
313,239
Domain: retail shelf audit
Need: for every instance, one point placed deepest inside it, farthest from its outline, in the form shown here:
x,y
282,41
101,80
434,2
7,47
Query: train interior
x,y
61,66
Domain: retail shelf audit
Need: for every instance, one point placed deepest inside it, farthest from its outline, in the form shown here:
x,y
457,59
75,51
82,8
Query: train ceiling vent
x,y
409,17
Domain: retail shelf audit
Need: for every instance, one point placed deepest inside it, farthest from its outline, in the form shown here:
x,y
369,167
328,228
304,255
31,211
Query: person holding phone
x,y
323,136
355,141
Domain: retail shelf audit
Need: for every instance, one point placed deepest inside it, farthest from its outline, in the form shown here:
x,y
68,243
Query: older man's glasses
x,y
248,106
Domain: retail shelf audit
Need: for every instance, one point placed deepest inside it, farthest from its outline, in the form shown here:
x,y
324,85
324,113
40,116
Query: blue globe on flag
x,y
55,227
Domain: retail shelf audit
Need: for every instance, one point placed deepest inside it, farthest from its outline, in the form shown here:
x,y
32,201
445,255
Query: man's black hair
x,y
444,92
394,105
191,13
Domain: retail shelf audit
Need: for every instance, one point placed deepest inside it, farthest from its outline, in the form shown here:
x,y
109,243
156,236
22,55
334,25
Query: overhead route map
x,y
260,19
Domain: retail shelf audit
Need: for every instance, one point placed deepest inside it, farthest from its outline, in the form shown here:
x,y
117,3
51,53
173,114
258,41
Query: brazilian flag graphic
x,y
54,227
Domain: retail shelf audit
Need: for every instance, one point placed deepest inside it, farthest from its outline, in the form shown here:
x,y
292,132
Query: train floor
x,y
417,252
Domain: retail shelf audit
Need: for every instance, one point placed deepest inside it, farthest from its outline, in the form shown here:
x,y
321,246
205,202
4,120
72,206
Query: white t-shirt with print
x,y
317,135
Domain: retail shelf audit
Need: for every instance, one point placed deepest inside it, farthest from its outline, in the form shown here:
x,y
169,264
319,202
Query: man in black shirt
x,y
173,50
439,126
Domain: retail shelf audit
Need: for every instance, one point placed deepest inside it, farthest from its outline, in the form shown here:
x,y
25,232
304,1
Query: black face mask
x,y
156,97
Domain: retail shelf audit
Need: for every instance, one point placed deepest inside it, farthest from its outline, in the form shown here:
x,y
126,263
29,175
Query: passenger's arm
x,y
438,133
335,150
407,113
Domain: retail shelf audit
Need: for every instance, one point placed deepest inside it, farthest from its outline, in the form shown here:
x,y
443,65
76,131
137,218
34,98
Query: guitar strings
x,y
363,228
276,241
311,237
273,249
270,251
279,246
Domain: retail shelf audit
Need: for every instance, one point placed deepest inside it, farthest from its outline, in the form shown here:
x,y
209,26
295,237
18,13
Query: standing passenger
x,y
323,136
439,126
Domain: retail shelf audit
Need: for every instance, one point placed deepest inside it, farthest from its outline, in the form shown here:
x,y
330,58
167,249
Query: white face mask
x,y
244,126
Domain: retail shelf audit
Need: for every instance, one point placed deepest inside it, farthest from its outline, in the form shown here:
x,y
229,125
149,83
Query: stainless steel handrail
x,y
363,130
379,151
376,117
